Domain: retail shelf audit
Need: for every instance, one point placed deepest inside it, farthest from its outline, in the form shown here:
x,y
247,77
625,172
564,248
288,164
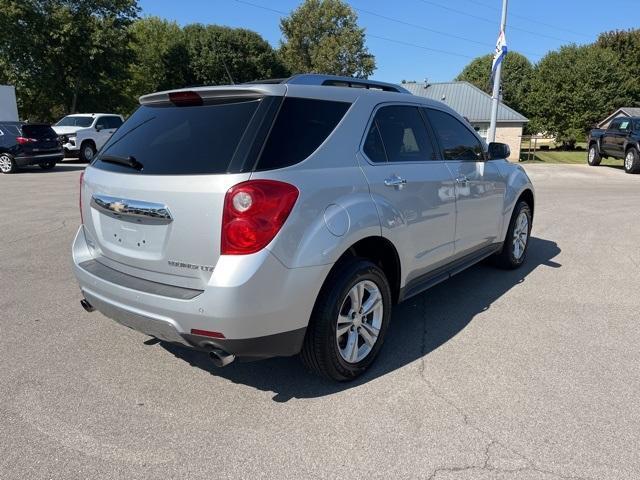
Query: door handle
x,y
395,181
462,180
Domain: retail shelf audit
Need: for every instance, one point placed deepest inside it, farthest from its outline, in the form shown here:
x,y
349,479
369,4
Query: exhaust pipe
x,y
87,306
221,358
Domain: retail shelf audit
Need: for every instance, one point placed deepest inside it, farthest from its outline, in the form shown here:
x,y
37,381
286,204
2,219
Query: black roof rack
x,y
334,81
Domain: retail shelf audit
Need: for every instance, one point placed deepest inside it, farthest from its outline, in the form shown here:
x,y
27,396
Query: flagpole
x,y
495,97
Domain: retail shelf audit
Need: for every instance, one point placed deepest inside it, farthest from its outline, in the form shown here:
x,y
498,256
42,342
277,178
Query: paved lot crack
x,y
486,466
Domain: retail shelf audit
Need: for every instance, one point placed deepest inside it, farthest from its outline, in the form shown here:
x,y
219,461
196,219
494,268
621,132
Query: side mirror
x,y
98,128
498,151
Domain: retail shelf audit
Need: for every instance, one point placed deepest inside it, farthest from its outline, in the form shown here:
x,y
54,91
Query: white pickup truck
x,y
84,134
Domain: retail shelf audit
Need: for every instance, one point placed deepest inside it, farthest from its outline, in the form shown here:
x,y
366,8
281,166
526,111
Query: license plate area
x,y
131,238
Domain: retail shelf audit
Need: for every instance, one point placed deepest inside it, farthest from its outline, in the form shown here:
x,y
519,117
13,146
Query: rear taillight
x,y
24,140
80,198
254,212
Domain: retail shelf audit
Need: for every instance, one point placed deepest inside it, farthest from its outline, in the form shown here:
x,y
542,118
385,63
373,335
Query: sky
x,y
426,39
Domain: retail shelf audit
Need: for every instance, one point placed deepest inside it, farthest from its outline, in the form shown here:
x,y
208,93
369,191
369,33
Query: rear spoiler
x,y
212,93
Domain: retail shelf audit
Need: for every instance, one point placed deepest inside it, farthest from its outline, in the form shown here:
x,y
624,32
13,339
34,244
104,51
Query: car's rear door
x,y
40,140
411,186
480,188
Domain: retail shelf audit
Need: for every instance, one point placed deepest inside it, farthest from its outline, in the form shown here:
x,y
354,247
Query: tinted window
x,y
186,140
300,127
113,122
615,124
456,140
38,131
13,130
373,147
83,122
625,125
403,134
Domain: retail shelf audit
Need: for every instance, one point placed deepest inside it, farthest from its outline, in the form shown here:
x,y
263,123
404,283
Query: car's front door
x,y
105,127
480,188
411,186
609,142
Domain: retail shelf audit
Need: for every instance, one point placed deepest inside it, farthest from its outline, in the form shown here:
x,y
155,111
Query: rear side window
x,y
301,126
456,140
13,130
38,131
185,140
398,134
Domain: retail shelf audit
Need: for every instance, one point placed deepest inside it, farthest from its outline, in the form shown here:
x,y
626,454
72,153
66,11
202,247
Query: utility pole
x,y
501,51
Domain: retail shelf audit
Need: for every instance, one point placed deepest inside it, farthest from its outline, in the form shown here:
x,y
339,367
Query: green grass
x,y
559,156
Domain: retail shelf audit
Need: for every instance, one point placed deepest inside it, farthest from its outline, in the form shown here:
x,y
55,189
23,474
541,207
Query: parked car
x,y
28,144
621,140
271,219
83,135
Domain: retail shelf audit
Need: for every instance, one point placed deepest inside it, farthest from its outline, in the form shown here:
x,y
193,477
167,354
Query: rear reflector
x,y
185,99
206,333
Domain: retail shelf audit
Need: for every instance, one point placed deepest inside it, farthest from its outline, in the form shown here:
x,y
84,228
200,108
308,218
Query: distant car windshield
x,y
75,122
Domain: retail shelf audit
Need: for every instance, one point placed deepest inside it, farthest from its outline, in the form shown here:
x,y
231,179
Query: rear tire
x,y
47,165
632,161
593,157
514,250
87,151
7,163
342,339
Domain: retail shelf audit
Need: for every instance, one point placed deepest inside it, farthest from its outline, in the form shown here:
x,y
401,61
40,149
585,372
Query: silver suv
x,y
284,217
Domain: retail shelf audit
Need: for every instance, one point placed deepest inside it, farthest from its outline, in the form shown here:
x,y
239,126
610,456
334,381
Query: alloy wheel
x,y
628,160
88,153
5,163
520,235
359,321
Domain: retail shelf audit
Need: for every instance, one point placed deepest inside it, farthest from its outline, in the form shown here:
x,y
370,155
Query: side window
x,y
625,125
399,132
301,126
373,145
112,122
615,124
456,140
101,123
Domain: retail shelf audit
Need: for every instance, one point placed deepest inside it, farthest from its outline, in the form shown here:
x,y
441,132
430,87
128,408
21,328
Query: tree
x,y
212,49
573,89
517,75
626,45
65,55
160,60
323,36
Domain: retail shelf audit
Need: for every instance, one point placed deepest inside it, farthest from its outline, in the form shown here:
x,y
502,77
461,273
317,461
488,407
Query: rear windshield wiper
x,y
126,161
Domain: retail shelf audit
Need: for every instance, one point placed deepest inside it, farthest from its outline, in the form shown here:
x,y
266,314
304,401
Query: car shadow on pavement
x,y
418,326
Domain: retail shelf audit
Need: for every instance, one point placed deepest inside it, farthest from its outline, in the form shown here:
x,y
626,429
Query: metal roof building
x,y
621,112
475,105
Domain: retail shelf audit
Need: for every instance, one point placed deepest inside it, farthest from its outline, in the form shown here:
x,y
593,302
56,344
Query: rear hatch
x,y
40,139
152,201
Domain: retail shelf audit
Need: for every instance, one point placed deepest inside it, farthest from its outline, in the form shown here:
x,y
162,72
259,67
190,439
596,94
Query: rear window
x,y
38,131
83,122
185,140
301,126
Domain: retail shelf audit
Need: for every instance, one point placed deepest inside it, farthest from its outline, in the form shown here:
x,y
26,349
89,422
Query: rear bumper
x,y
25,160
262,313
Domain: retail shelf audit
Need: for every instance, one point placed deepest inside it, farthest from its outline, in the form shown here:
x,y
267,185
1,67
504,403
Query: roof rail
x,y
335,81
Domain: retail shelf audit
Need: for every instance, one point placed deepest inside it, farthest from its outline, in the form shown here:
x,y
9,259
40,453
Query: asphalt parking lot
x,y
532,374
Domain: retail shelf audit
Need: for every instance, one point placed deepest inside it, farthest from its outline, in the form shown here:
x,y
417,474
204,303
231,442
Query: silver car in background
x,y
284,217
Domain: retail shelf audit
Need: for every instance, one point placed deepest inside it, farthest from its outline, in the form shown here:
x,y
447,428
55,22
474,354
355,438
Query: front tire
x,y
87,151
632,161
594,158
7,163
514,250
349,321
